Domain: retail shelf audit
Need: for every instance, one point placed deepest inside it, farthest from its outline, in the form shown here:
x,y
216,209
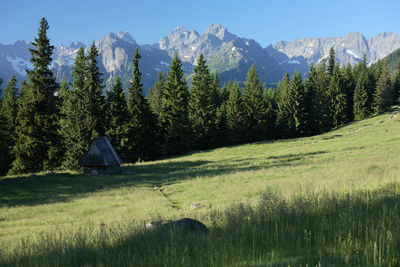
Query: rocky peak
x,y
126,37
220,32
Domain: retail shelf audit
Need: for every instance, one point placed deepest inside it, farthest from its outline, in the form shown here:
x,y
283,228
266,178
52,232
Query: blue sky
x,y
147,21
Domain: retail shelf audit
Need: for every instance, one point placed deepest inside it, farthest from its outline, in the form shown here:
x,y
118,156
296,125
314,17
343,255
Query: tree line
x,y
45,125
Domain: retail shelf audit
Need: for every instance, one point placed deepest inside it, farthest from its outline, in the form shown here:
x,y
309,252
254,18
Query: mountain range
x,y
228,54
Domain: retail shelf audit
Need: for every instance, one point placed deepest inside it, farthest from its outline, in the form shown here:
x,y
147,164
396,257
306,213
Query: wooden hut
x,y
101,158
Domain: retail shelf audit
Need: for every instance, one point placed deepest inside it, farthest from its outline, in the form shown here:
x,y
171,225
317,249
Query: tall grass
x,y
360,228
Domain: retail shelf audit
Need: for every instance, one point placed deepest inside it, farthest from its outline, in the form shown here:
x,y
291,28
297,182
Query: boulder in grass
x,y
185,225
194,206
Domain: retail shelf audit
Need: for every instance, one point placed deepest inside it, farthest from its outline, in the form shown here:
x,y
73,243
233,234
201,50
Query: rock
x,y
185,225
194,206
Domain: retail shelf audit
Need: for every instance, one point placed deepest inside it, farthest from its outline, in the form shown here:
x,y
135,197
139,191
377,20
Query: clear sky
x,y
266,21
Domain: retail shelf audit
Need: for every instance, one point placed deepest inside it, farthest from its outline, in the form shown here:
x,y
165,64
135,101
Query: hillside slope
x,y
362,155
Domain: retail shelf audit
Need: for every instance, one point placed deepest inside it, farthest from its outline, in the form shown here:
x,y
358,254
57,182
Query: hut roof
x,y
100,153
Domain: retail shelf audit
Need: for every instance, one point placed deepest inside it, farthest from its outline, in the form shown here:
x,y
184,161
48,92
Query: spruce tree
x,y
361,106
174,112
396,85
155,93
118,117
254,107
299,96
383,97
271,109
314,112
8,112
93,97
37,143
203,106
143,131
284,101
337,98
322,98
4,148
234,110
348,89
73,113
331,61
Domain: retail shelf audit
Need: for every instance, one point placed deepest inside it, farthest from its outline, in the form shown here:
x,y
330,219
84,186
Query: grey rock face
x,y
348,49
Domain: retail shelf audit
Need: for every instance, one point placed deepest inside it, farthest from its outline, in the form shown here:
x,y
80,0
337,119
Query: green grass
x,y
328,199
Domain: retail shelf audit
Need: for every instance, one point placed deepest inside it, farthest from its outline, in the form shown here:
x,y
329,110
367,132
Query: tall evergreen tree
x,y
118,118
8,112
4,148
284,120
337,98
348,89
203,106
314,113
73,114
93,97
174,112
234,110
37,140
299,96
143,131
155,93
396,85
322,98
254,107
383,96
361,106
271,109
331,61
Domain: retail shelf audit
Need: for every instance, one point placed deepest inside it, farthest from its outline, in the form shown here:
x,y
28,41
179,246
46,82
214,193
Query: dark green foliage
x,y
203,106
254,107
37,143
74,113
315,116
93,98
155,93
8,115
284,101
117,119
348,84
271,108
337,98
383,97
361,107
299,95
143,130
322,101
174,112
234,111
396,85
331,61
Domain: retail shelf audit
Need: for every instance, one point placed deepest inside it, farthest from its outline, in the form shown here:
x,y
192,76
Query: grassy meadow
x,y
327,200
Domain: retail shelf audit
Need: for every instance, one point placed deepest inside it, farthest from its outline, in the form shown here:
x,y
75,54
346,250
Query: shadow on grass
x,y
324,229
43,189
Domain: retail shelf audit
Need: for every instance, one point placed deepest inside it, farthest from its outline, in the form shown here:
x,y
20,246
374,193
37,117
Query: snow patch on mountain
x,y
20,65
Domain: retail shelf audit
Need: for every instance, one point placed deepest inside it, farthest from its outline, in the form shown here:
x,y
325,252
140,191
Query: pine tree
x,y
361,107
234,110
37,141
314,112
254,107
324,115
73,113
348,89
155,94
299,96
174,112
8,113
337,98
396,85
383,97
284,101
203,106
271,108
118,117
4,148
93,98
143,130
331,61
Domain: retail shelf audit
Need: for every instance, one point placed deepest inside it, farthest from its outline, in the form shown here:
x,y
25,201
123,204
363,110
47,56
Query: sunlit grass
x,y
55,219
